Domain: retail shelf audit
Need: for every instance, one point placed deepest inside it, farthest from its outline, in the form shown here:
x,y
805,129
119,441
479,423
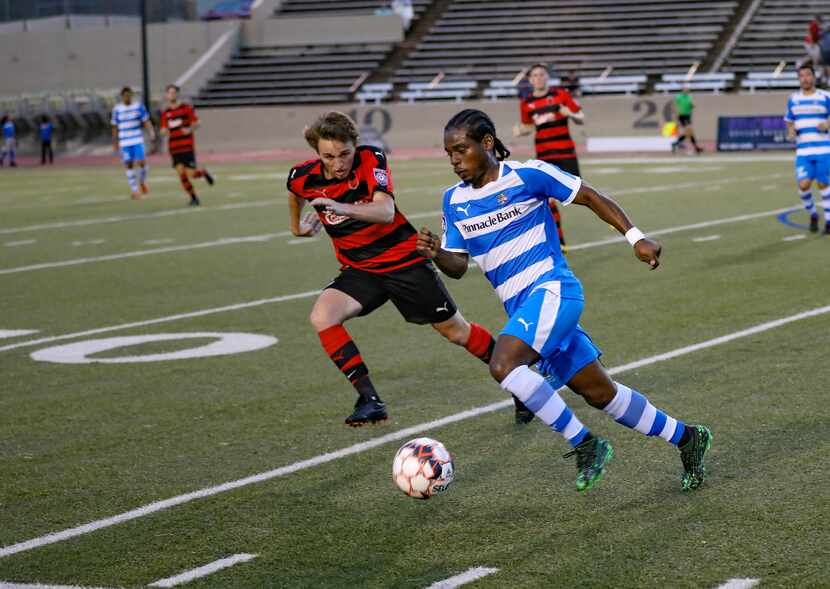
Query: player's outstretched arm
x,y
381,209
307,227
607,209
452,264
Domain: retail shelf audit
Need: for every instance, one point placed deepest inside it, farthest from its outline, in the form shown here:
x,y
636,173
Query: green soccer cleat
x,y
692,456
591,458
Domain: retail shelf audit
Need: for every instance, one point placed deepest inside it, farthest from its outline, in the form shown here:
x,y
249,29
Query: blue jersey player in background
x,y
129,119
807,114
498,216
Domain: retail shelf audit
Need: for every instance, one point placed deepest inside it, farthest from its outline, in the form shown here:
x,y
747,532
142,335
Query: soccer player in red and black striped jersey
x,y
178,121
350,188
547,111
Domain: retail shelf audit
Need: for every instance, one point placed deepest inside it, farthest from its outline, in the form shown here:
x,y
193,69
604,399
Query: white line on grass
x,y
794,237
705,238
16,332
7,585
301,240
202,313
147,252
415,430
120,218
203,571
19,243
467,576
739,584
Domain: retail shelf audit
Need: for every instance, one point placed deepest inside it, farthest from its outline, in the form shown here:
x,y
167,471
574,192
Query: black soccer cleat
x,y
814,223
367,411
208,178
523,414
691,454
827,228
194,201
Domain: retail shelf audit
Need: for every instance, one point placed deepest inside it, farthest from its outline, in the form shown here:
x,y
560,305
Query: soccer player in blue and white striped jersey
x,y
807,123
129,119
498,216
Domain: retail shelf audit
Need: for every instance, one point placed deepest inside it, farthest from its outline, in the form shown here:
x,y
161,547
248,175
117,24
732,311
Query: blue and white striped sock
x,y
538,396
633,410
131,179
825,204
142,174
807,200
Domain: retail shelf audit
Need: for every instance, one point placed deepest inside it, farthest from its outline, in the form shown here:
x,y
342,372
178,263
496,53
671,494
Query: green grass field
x,y
81,443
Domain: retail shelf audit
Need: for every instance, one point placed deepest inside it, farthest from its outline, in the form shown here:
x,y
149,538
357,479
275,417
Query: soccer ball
x,y
422,468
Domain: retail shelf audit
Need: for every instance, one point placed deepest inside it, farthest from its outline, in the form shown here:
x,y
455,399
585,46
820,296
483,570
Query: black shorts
x,y
569,165
188,159
417,292
684,120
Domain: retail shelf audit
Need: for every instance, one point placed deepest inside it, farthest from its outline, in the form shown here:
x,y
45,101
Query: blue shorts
x,y
132,153
813,167
550,325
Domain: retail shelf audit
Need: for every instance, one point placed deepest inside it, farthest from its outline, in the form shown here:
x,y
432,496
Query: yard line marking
x,y
579,246
203,571
157,241
467,576
794,237
19,243
4,333
202,313
7,585
147,252
88,242
739,584
415,430
137,216
705,238
300,240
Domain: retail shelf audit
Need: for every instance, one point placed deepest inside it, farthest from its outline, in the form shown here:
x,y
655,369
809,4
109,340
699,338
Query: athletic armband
x,y
634,235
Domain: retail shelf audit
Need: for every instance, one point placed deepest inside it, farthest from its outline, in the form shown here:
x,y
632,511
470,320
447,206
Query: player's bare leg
x,y
330,311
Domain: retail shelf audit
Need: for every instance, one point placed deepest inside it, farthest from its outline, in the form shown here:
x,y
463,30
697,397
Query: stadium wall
x,y
102,58
324,30
420,125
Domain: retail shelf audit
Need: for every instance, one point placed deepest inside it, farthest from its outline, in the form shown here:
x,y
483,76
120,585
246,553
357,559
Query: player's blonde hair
x,y
333,125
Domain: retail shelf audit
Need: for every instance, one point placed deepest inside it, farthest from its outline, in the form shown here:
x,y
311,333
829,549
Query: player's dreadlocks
x,y
478,124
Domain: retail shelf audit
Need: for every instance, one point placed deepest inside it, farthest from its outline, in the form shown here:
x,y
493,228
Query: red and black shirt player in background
x,y
178,121
351,190
547,111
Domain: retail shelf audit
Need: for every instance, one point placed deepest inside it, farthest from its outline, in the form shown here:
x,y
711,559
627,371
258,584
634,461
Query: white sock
x,y
131,180
142,174
807,200
825,203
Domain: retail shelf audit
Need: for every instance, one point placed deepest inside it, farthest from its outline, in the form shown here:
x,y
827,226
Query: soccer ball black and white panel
x,y
422,468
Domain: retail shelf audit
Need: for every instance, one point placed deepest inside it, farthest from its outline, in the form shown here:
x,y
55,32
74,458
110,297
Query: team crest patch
x,y
502,198
382,177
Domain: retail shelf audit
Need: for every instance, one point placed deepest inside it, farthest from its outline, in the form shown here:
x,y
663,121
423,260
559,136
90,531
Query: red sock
x,y
186,184
198,173
481,343
343,352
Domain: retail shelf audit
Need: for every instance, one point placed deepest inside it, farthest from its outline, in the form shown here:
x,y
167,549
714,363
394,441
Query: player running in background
x,y
806,118
510,235
351,189
129,119
547,112
9,141
179,121
684,105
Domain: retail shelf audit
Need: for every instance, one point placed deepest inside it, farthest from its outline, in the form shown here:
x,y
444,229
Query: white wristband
x,y
634,235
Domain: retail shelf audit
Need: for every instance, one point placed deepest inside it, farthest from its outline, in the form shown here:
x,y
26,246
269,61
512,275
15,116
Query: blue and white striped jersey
x,y
129,118
806,111
507,228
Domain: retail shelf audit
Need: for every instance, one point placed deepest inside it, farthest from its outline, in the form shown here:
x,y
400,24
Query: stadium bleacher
x,y
337,7
775,33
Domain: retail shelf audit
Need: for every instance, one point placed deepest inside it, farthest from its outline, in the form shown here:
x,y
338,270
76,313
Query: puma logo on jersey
x,y
464,210
525,323
446,307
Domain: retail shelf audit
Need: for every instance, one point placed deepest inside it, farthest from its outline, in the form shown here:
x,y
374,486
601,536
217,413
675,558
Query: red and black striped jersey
x,y
374,247
553,140
179,122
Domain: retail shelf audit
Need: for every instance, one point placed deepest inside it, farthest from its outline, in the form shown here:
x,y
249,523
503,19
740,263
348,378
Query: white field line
x,y
794,237
674,160
203,571
739,584
20,242
705,238
257,303
137,216
302,240
467,576
202,313
268,236
4,333
415,430
146,252
7,585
